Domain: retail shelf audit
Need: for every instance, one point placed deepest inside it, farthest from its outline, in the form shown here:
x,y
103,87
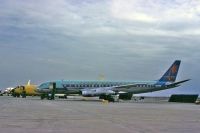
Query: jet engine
x,y
97,91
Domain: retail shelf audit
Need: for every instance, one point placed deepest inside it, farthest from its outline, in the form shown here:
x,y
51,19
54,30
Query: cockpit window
x,y
44,86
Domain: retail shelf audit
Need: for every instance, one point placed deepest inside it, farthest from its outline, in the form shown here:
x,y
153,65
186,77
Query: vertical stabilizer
x,y
29,82
170,75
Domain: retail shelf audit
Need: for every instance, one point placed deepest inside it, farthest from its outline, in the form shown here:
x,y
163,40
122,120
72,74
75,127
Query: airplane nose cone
x,y
42,90
38,90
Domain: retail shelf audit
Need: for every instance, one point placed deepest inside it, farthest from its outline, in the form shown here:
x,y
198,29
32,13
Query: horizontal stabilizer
x,y
177,83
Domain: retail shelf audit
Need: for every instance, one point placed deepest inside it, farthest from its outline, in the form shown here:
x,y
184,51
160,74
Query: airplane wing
x,y
106,90
97,91
125,86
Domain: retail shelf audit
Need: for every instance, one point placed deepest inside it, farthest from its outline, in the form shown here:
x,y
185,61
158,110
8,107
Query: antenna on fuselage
x,y
101,77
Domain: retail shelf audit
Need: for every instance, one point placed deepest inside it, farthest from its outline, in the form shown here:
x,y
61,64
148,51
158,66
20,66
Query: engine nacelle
x,y
97,92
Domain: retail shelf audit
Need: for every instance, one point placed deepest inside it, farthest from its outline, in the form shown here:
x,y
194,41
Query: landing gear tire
x,y
23,95
107,97
42,96
14,95
50,96
18,95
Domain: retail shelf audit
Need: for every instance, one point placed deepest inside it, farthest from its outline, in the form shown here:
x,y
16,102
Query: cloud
x,y
163,17
156,10
132,39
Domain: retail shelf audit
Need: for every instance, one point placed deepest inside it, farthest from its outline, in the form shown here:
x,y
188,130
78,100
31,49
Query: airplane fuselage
x,y
77,87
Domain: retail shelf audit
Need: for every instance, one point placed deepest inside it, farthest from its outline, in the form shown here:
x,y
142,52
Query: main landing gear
x,y
110,98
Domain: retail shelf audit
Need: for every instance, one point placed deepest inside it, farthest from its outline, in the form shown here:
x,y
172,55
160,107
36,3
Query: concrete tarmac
x,y
32,115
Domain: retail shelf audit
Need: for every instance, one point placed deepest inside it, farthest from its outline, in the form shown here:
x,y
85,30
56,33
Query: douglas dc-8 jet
x,y
106,89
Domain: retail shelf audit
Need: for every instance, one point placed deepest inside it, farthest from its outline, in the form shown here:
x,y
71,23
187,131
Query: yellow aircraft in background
x,y
25,90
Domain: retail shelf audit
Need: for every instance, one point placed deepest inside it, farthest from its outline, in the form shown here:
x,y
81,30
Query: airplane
x,y
8,90
106,89
25,90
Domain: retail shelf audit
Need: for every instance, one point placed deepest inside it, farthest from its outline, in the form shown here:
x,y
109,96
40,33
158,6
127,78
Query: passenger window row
x,y
90,85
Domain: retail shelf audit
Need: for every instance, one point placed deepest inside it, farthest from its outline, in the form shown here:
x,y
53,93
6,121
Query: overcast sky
x,y
44,40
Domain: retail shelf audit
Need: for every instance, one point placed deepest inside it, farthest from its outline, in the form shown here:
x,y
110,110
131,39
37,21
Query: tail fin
x,y
170,75
29,82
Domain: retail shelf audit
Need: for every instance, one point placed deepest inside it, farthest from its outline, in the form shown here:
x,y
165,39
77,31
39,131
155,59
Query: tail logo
x,y
174,69
172,72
